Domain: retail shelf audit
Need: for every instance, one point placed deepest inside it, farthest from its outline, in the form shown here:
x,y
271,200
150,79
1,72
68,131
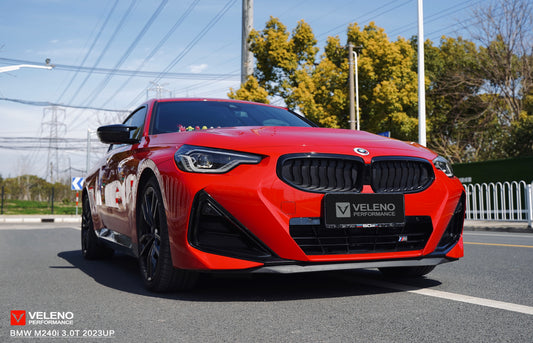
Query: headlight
x,y
196,159
442,164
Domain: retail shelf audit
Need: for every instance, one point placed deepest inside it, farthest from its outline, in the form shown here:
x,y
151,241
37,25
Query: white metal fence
x,y
502,201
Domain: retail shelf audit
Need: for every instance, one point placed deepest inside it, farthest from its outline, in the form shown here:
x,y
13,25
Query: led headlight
x,y
197,159
442,164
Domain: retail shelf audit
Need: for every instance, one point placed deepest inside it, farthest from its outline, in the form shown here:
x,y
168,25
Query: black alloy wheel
x,y
155,259
149,234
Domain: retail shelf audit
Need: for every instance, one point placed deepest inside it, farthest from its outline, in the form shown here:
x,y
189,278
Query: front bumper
x,y
257,211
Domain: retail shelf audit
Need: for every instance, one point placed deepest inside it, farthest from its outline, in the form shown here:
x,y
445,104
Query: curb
x,y
525,229
496,226
38,219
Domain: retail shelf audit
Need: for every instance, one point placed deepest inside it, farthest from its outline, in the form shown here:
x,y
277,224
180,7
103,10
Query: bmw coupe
x,y
197,185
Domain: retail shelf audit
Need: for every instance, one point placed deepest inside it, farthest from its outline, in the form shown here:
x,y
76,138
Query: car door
x,y
118,177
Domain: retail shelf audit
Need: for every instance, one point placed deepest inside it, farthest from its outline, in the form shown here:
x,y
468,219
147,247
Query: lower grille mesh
x,y
317,240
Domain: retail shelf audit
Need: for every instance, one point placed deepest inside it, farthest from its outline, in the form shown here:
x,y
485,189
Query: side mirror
x,y
116,134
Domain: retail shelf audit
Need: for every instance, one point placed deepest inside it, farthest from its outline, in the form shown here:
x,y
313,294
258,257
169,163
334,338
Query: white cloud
x,y
198,68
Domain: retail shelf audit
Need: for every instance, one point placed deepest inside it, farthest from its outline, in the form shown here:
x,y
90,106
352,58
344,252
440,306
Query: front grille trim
x,y
402,174
333,173
322,173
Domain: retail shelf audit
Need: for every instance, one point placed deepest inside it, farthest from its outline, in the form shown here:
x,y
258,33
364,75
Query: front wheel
x,y
155,259
407,272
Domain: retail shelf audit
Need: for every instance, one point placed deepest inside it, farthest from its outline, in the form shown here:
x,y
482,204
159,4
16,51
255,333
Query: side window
x,y
137,119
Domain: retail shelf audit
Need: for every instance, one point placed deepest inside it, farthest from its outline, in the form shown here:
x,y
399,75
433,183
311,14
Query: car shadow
x,y
121,273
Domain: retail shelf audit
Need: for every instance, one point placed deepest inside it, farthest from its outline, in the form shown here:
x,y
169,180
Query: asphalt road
x,y
485,297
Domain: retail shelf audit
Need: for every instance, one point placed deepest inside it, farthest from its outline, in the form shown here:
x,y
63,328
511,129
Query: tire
x,y
407,272
155,260
91,247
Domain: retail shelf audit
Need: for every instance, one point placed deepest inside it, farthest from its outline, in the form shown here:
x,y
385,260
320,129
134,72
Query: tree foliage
x,y
479,92
31,187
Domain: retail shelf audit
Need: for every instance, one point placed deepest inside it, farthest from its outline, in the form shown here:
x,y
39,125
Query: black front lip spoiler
x,y
290,268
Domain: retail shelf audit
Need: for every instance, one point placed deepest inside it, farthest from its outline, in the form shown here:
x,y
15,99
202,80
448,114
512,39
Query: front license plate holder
x,y
350,210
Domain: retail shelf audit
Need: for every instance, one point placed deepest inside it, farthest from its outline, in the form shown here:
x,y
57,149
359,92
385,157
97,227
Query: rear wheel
x,y
91,247
407,272
155,260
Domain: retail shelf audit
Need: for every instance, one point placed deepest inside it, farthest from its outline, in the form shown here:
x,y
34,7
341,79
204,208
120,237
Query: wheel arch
x,y
146,170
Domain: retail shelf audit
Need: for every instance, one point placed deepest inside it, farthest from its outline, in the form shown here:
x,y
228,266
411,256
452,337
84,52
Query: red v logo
x,y
18,317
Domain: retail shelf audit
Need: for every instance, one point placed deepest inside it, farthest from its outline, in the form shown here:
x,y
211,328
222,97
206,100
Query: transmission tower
x,y
158,91
53,118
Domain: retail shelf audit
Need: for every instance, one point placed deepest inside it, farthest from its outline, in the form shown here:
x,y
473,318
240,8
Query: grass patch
x,y
39,207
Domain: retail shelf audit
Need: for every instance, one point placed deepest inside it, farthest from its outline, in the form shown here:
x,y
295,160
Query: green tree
x,y
479,97
453,102
250,91
287,68
388,84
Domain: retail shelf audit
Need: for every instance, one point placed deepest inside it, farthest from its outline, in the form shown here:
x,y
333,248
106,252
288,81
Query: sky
x,y
111,55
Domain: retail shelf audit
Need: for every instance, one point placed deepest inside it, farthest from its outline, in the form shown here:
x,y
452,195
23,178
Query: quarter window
x,y
137,119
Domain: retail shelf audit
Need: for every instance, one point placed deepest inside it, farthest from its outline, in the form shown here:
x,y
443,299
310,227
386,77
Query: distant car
x,y
199,185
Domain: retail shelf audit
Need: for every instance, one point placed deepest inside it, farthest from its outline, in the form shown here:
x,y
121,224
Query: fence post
x,y
529,205
52,200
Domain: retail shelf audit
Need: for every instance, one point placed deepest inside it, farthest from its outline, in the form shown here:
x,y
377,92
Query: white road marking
x,y
507,235
452,296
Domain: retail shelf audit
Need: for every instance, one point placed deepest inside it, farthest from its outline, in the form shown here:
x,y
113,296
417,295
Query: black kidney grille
x,y
323,174
318,240
339,173
403,175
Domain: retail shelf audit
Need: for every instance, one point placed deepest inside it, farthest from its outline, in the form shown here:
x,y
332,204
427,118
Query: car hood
x,y
267,140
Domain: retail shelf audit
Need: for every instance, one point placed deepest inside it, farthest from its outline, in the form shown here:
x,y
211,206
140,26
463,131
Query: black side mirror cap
x,y
116,134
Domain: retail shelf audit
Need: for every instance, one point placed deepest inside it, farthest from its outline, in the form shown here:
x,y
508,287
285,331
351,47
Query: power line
x,y
18,139
434,17
363,16
189,47
127,72
90,50
47,103
34,147
126,54
156,48
106,48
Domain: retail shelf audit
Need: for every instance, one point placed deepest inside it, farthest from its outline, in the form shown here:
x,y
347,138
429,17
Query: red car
x,y
198,185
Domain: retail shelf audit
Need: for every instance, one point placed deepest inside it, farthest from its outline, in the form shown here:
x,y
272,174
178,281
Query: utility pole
x,y
354,108
88,157
247,26
421,77
351,87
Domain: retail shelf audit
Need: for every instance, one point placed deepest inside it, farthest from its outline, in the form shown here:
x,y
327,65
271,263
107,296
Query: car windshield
x,y
188,115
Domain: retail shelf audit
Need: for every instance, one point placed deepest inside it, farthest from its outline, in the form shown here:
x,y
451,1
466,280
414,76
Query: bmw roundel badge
x,y
361,151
